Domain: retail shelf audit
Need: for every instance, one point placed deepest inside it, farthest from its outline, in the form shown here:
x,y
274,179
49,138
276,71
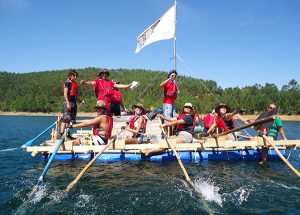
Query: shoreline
x,y
92,114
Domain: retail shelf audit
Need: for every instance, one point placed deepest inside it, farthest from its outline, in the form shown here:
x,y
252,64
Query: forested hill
x,y
42,92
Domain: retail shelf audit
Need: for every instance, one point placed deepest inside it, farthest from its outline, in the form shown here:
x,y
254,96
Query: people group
x,y
180,127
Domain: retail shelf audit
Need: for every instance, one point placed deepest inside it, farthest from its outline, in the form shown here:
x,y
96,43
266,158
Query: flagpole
x,y
174,39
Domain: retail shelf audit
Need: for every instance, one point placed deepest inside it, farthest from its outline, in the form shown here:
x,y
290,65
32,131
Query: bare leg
x,y
130,140
264,154
152,151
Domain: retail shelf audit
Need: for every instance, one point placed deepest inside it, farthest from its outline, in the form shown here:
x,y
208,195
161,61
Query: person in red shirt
x,y
170,94
104,88
117,101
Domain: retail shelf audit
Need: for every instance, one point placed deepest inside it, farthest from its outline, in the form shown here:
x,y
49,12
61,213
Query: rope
x,y
146,88
208,90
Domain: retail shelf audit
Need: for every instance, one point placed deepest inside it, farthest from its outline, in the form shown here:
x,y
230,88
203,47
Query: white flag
x,y
162,29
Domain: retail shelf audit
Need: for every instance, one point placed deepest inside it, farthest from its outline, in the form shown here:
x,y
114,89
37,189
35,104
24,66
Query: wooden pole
x,y
281,156
258,122
178,158
70,186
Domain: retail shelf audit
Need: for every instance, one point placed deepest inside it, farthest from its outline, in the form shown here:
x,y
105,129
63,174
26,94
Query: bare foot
x,y
145,152
262,162
76,142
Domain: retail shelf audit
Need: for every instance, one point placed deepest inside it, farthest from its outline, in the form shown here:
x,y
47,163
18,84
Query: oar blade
x,y
28,143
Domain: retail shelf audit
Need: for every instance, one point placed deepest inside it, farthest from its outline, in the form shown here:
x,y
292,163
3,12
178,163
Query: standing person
x,y
272,131
117,101
104,88
137,125
224,121
70,91
185,125
102,125
170,94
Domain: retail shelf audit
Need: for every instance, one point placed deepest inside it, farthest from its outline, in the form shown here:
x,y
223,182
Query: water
x,y
220,187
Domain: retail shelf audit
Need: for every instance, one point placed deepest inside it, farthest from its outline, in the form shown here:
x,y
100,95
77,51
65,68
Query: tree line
x,y
42,92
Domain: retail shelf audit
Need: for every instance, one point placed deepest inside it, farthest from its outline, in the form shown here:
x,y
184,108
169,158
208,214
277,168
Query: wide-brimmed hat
x,y
188,105
100,104
139,105
221,105
104,71
171,72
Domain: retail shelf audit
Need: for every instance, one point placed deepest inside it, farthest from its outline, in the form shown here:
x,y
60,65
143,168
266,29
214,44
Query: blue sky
x,y
234,42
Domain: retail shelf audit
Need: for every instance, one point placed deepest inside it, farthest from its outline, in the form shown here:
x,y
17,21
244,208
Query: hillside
x,y
42,92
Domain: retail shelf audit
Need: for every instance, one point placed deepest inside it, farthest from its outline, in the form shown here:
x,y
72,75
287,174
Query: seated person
x,y
137,125
102,125
224,120
185,125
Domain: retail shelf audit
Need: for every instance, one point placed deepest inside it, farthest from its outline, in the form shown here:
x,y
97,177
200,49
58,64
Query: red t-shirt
x,y
170,93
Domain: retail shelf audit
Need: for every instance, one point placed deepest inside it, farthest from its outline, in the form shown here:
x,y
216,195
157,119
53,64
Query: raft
x,y
199,150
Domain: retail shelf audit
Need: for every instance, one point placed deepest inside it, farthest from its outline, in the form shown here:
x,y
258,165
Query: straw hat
x,y
104,71
139,105
221,105
188,105
100,104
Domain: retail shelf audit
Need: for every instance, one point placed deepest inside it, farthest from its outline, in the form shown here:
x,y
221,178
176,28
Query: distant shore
x,y
91,114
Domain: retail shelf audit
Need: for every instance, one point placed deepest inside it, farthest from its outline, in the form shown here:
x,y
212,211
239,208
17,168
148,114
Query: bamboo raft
x,y
201,149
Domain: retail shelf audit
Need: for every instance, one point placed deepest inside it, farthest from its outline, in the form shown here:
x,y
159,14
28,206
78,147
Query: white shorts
x,y
186,136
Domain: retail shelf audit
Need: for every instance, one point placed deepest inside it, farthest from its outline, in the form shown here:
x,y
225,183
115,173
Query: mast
x,y
174,38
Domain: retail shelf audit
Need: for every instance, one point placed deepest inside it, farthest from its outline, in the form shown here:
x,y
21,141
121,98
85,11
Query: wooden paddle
x,y
28,143
178,158
257,122
281,156
71,185
60,142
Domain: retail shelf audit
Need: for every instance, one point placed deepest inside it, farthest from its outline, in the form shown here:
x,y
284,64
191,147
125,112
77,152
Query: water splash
x,y
238,196
83,200
208,190
35,196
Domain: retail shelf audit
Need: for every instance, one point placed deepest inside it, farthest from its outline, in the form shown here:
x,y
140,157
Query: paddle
x,y
60,142
28,143
281,156
178,158
70,186
257,122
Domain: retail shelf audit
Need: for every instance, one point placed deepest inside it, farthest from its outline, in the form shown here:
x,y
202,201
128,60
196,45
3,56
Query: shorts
x,y
186,136
169,110
69,115
98,140
138,137
116,109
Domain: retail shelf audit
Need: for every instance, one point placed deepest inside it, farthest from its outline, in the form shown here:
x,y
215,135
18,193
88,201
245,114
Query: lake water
x,y
221,187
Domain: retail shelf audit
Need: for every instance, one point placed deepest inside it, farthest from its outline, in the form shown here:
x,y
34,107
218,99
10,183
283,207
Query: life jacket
x,y
133,124
171,89
180,127
209,120
117,97
265,130
225,125
96,128
104,89
73,91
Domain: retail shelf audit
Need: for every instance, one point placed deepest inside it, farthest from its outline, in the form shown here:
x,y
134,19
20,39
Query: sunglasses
x,y
271,108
